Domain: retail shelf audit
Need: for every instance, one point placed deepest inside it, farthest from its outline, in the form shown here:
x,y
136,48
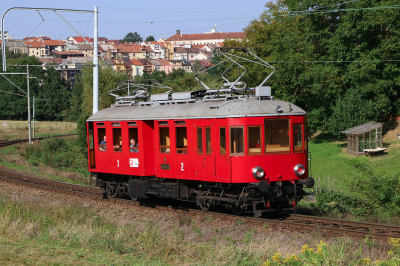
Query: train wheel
x,y
236,210
115,192
205,205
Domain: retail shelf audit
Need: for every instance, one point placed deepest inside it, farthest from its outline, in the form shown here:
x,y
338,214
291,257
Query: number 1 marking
x,y
117,163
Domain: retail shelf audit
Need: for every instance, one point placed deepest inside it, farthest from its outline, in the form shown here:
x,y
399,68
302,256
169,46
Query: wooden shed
x,y
364,139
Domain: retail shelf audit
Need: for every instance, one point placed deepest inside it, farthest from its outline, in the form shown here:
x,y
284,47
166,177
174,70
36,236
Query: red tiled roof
x,y
207,36
125,47
33,44
160,43
164,62
48,60
100,39
79,39
34,39
136,62
54,42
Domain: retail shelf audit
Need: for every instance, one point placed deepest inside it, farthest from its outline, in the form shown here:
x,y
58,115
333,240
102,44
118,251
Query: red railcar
x,y
245,152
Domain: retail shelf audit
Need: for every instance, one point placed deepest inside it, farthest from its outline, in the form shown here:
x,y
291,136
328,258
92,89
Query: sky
x,y
117,18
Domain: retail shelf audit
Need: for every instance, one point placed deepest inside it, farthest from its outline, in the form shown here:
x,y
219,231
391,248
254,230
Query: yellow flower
x,y
366,261
267,263
320,247
277,257
294,257
390,252
305,248
394,242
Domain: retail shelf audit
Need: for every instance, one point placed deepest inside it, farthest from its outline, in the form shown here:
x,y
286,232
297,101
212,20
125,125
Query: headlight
x,y
299,170
258,172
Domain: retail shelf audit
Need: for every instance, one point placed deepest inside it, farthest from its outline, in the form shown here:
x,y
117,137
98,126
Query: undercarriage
x,y
253,198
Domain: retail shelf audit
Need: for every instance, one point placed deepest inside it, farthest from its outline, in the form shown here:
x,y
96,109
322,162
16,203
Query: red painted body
x,y
212,167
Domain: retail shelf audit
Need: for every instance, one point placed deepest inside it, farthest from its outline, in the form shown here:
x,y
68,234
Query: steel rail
x,y
293,222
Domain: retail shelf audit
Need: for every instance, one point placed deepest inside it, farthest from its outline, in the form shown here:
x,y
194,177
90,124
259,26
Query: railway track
x,y
291,222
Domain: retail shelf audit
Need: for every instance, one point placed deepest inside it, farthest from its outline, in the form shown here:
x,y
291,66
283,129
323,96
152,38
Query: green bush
x,y
57,153
372,193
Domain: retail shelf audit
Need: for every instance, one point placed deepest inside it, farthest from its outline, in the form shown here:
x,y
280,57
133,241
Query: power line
x,y
181,11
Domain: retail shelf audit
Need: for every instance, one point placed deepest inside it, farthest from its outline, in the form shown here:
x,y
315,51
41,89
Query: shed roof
x,y
213,109
362,128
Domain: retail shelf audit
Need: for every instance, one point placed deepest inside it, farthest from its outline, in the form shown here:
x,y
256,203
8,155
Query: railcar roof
x,y
246,107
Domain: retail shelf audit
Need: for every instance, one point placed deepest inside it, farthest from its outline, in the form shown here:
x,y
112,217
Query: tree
x,y
349,111
108,80
321,55
132,37
150,39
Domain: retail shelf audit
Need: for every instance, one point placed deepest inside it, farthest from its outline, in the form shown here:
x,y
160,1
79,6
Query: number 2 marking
x,y
182,167
117,163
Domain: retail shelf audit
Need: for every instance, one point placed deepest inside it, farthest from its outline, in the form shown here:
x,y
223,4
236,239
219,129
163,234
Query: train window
x,y
298,138
276,135
132,124
199,140
222,141
236,140
163,123
181,140
100,124
180,123
102,139
117,139
254,139
116,124
208,140
133,140
164,140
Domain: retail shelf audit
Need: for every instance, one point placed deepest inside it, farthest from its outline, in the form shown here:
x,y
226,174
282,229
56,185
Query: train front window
x,y
164,140
254,138
236,140
133,140
297,138
276,133
199,140
117,139
222,141
101,136
181,140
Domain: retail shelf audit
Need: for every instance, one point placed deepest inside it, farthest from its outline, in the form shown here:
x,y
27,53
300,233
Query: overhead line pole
x,y
96,64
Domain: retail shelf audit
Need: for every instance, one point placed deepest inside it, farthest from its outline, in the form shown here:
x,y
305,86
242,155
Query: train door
x,y
92,161
222,154
209,150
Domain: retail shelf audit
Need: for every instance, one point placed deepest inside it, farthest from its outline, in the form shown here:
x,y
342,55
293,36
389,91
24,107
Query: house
x,y
16,47
54,45
72,47
125,50
108,50
180,53
159,49
169,51
112,41
192,53
119,65
36,39
37,49
140,51
205,38
165,66
86,49
99,40
147,66
66,54
179,64
137,67
78,39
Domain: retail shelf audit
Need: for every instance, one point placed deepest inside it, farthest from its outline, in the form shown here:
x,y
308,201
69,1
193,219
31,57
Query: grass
x,y
19,129
14,157
329,158
35,230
